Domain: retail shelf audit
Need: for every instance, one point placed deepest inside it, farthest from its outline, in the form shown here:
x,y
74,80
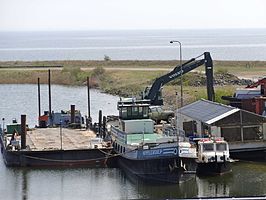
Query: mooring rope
x,y
109,155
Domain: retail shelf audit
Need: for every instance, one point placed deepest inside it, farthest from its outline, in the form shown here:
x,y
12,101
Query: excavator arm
x,y
154,92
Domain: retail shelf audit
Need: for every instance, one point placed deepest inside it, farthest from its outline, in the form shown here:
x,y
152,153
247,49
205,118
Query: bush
x,y
107,58
98,71
221,71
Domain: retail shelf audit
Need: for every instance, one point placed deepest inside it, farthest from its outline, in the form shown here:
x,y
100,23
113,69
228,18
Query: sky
x,y
39,15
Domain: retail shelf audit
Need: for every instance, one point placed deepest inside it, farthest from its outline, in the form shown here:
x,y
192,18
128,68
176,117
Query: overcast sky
x,y
130,14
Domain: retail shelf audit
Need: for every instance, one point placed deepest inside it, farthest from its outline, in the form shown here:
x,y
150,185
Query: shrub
x,y
221,71
107,58
98,71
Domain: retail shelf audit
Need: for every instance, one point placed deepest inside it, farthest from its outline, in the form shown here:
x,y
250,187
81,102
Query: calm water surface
x,y
25,183
224,44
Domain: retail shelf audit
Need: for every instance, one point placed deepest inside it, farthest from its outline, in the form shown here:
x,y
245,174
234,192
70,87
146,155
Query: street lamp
x,y
180,59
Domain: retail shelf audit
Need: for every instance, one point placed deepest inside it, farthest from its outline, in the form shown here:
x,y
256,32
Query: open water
x,y
224,44
247,178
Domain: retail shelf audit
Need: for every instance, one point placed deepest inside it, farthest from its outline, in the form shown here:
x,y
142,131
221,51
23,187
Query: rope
x,y
109,155
55,160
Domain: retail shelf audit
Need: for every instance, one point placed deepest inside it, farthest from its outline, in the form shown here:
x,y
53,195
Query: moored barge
x,y
54,147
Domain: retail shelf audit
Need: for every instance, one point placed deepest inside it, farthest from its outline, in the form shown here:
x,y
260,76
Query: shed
x,y
209,118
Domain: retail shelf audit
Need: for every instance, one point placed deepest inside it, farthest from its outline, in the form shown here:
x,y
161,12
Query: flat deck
x,y
49,139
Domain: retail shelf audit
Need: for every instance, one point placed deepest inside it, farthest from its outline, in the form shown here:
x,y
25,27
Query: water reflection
x,y
24,185
214,186
247,179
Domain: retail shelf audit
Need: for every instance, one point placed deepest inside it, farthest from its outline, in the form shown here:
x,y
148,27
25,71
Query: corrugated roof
x,y
207,111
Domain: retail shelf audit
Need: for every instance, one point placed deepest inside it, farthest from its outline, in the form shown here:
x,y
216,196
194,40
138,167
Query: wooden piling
x,y
104,126
72,114
100,123
89,106
39,97
23,131
50,97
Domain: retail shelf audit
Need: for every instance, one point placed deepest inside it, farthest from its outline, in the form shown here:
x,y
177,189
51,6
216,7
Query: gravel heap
x,y
219,79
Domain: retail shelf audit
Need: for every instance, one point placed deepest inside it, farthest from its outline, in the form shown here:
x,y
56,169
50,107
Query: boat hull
x,y
213,168
169,170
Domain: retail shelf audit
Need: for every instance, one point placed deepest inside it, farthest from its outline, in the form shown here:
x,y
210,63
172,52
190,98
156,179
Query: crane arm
x,y
180,70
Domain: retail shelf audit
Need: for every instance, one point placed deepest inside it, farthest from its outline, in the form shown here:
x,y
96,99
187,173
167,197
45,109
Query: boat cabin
x,y
131,108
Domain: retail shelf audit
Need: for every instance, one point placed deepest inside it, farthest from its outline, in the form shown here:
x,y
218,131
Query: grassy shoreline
x,y
126,78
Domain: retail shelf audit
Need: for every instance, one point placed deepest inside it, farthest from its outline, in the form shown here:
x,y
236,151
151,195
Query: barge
x,y
42,147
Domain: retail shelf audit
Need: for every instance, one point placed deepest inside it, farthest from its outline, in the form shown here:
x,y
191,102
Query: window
x,y
208,147
220,147
124,113
159,109
135,111
140,111
145,111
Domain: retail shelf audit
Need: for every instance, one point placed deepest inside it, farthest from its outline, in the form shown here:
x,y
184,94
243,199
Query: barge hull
x,y
68,158
167,170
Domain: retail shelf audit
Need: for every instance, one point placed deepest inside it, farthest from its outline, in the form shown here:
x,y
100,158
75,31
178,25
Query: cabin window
x,y
140,111
124,113
208,147
135,111
220,147
145,111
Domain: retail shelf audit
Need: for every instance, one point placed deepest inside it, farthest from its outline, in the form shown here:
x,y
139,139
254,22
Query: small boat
x,y
145,153
213,156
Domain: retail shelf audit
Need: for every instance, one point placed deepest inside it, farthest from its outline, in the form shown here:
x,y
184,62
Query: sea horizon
x,y
146,44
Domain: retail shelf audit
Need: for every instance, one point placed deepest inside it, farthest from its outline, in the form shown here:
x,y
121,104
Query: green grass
x,y
128,83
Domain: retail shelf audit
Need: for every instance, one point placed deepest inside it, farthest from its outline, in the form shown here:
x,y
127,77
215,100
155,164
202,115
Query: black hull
x,y
249,154
168,170
60,158
213,168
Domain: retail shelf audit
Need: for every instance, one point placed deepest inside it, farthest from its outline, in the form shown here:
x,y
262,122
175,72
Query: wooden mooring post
x,y
100,123
23,131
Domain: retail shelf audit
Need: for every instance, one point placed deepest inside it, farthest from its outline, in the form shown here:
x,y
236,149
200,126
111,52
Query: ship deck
x,y
50,139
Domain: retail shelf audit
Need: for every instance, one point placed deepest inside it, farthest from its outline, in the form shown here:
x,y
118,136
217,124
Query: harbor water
x,y
247,178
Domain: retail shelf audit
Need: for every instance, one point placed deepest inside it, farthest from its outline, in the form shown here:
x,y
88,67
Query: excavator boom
x,y
154,91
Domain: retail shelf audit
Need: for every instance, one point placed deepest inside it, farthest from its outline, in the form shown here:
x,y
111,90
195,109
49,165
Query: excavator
x,y
154,92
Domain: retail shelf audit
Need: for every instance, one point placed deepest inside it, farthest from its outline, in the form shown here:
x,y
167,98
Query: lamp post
x,y
180,60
